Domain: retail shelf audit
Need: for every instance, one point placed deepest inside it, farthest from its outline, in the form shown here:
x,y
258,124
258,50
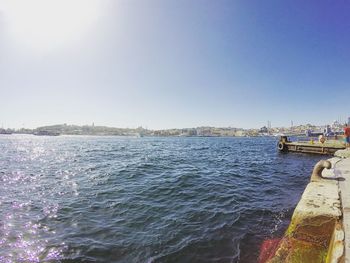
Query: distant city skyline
x,y
174,63
267,125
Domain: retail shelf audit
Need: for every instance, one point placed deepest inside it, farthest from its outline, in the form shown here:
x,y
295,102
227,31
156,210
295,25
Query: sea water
x,y
123,199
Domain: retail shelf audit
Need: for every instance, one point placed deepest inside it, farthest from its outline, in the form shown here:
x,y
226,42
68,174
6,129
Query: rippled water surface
x,y
116,199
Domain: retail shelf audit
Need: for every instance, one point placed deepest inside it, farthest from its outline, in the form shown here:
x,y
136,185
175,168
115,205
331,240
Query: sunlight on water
x,y
23,237
24,205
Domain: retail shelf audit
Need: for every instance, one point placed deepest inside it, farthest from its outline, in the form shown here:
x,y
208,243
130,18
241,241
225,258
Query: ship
x,y
3,131
46,133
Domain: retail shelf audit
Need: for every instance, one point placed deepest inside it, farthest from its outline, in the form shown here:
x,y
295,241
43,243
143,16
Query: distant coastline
x,y
65,129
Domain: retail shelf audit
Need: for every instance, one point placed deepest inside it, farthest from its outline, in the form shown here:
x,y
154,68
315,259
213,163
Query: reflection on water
x,y
25,202
111,199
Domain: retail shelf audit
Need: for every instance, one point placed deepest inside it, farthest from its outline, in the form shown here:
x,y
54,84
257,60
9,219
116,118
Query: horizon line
x,y
173,128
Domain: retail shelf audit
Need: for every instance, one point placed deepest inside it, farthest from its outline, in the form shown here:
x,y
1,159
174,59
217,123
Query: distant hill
x,y
203,131
65,129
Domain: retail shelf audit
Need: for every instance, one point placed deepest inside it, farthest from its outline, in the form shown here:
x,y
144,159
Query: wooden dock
x,y
329,147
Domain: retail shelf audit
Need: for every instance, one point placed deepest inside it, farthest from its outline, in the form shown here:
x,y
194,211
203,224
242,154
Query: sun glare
x,y
48,24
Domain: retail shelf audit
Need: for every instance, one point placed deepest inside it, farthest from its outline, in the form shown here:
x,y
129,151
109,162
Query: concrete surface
x,y
341,169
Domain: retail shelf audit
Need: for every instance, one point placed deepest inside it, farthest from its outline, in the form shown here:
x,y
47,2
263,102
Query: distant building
x,y
335,124
264,130
240,133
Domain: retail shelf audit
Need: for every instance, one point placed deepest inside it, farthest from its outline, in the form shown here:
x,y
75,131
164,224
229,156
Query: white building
x,y
335,125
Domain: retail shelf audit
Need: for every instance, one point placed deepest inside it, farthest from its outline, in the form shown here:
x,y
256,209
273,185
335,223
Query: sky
x,y
174,63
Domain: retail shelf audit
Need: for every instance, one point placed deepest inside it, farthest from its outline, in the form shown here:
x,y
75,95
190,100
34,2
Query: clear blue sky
x,y
181,63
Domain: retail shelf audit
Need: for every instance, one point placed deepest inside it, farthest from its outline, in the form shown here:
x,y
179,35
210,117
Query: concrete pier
x,y
342,169
320,226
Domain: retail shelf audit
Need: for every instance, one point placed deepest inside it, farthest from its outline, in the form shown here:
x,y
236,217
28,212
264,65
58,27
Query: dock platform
x,y
329,147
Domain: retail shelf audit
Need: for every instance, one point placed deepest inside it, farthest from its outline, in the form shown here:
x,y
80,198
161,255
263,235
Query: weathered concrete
x,y
341,170
336,247
343,153
310,232
315,232
320,226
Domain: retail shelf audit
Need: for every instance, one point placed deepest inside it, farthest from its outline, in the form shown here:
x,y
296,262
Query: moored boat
x,y
46,133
